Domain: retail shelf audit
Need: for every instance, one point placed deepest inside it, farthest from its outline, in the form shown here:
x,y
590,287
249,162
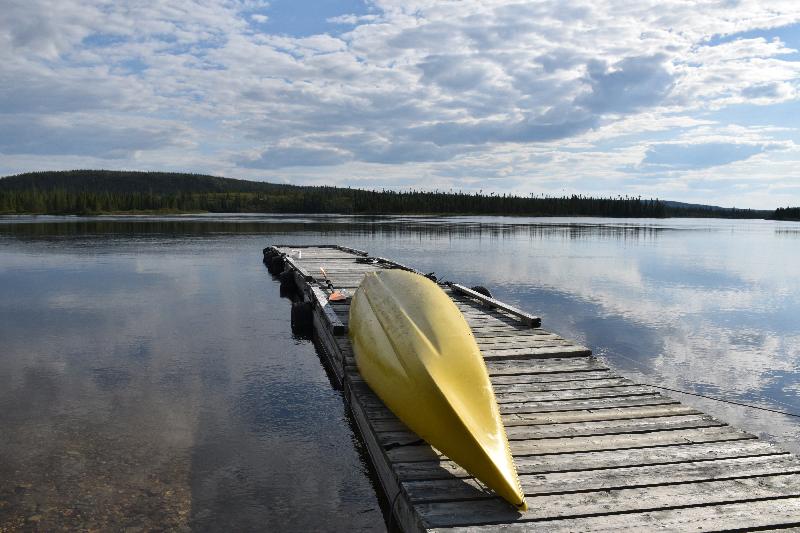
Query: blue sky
x,y
304,18
663,99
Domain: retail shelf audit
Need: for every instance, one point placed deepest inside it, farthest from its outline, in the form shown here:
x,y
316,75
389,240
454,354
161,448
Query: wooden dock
x,y
594,450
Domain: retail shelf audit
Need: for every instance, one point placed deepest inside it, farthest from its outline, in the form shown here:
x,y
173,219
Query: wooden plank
x,y
406,515
783,512
626,440
330,315
608,427
339,280
517,333
583,410
541,366
711,506
483,310
349,277
344,315
600,392
580,429
472,306
478,312
329,353
651,475
557,396
489,319
338,257
331,247
561,385
343,280
588,415
510,342
573,423
531,364
580,461
594,443
294,265
584,376
481,328
526,318
310,254
349,285
608,479
533,353
336,267
312,250
309,257
532,344
521,343
342,268
506,331
331,270
592,404
346,347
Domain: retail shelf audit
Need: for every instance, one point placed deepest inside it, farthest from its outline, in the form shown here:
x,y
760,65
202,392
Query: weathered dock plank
x,y
588,481
707,506
595,451
611,459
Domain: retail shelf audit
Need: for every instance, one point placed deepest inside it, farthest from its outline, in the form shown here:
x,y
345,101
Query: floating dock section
x,y
594,450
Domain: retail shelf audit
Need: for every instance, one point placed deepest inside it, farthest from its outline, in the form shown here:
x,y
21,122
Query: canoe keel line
x,y
593,450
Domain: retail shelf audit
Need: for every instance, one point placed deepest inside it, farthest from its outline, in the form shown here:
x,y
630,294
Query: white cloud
x,y
352,19
527,94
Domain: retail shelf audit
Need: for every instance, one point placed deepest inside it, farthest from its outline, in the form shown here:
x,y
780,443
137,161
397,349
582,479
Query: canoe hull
x,y
416,351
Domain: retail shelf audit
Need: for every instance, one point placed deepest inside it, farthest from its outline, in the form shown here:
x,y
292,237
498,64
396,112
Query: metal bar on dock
x,y
526,318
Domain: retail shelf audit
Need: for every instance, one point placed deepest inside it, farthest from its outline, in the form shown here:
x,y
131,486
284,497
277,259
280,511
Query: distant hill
x,y
107,191
682,209
113,181
684,205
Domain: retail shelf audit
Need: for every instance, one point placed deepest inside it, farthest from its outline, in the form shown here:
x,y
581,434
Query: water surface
x,y
149,378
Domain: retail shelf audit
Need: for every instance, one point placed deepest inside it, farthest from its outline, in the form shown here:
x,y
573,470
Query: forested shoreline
x,y
321,200
88,192
786,213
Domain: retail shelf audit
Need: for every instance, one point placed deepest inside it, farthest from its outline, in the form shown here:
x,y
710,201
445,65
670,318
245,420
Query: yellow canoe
x,y
416,351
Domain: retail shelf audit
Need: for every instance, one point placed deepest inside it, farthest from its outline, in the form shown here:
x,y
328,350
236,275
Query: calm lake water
x,y
149,377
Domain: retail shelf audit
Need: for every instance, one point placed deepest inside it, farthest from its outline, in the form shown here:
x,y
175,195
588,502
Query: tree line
x,y
786,213
321,200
